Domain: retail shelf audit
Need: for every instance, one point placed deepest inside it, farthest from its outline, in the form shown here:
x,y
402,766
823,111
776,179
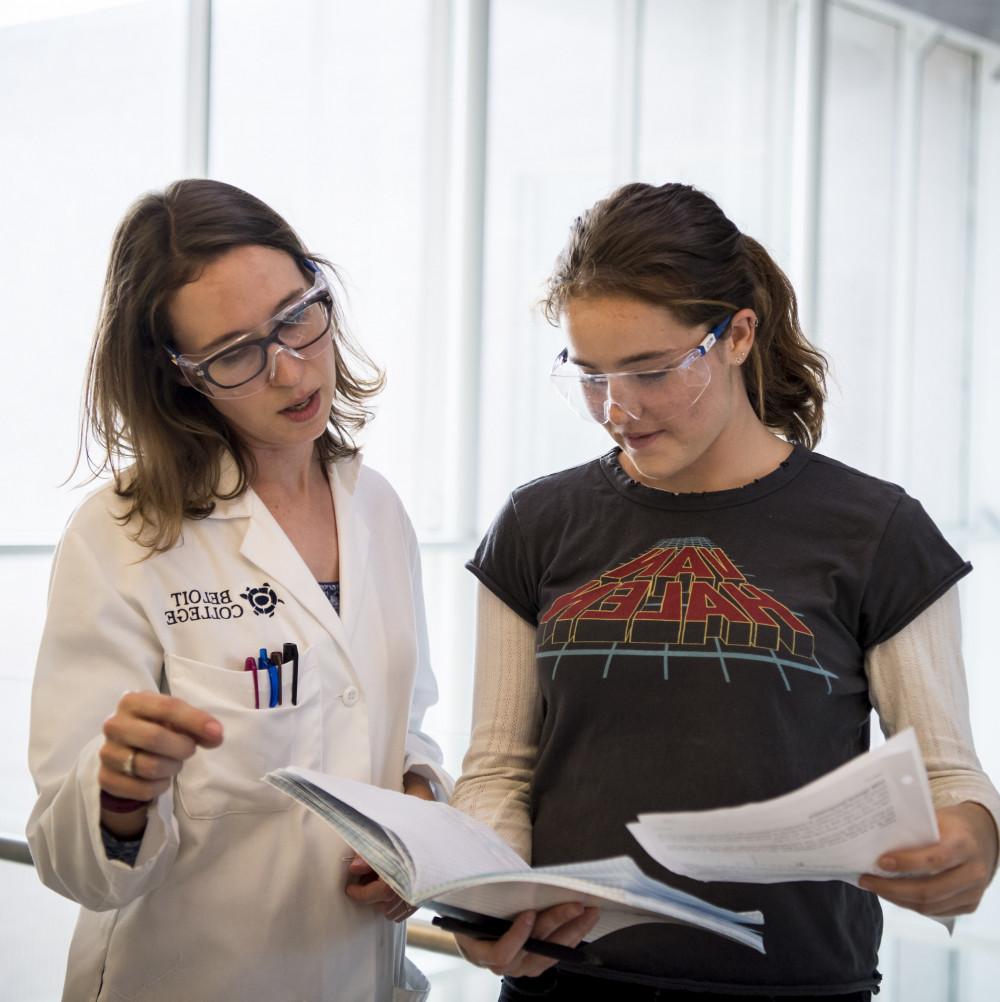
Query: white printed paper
x,y
832,829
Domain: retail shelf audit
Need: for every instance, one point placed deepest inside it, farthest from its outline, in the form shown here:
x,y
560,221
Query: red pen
x,y
251,665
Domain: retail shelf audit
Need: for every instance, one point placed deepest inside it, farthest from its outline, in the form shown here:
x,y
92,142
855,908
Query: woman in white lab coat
x,y
223,393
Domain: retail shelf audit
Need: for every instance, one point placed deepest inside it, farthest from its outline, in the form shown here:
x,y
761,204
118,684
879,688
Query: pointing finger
x,y
176,714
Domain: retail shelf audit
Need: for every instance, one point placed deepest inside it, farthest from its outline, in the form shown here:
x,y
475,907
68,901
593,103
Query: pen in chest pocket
x,y
250,665
274,664
291,653
264,664
276,661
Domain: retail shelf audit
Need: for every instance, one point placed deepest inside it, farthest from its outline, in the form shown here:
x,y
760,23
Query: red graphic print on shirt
x,y
680,593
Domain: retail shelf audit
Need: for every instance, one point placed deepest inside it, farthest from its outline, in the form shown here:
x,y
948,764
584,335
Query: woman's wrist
x,y
415,785
123,818
121,805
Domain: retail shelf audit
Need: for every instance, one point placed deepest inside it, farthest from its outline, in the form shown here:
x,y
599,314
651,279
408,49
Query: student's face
x,y
668,430
237,292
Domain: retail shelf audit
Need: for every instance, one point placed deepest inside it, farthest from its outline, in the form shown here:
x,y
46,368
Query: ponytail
x,y
786,376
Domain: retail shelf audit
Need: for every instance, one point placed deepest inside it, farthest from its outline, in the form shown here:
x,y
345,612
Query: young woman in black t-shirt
x,y
683,342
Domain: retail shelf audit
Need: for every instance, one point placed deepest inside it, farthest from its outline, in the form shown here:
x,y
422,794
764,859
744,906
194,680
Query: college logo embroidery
x,y
197,604
263,600
683,598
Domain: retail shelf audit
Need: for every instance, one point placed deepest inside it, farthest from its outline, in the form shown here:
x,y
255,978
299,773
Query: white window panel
x,y
978,936
91,116
979,614
713,113
35,925
451,615
552,123
937,348
920,973
856,233
978,967
24,580
984,468
322,109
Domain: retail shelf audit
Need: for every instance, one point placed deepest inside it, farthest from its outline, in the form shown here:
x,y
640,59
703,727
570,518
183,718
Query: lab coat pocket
x,y
227,780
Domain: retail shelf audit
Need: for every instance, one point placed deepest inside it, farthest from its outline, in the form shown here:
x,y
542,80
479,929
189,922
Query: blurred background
x,y
437,151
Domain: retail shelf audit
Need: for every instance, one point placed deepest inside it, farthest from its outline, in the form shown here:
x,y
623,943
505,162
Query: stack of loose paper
x,y
432,855
832,829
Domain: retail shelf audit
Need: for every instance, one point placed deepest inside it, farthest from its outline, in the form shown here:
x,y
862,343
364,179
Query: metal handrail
x,y
15,850
420,935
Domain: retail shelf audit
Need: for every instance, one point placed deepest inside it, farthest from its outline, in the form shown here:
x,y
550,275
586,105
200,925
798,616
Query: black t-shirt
x,y
697,651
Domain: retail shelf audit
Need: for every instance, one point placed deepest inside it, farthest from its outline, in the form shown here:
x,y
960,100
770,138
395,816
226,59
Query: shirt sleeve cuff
x,y
441,782
124,850
950,796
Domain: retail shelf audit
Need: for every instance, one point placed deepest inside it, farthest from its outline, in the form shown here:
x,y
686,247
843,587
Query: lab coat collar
x,y
266,545
344,472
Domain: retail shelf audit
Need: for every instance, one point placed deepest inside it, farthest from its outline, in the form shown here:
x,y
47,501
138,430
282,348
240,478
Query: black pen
x,y
485,927
276,660
291,653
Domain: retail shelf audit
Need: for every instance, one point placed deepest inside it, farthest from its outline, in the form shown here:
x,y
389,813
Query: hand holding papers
x,y
832,829
432,855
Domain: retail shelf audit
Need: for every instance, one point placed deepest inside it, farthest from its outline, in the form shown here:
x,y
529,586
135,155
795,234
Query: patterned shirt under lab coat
x,y
237,892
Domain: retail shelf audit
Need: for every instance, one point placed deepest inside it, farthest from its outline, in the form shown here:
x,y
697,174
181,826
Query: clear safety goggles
x,y
246,364
660,393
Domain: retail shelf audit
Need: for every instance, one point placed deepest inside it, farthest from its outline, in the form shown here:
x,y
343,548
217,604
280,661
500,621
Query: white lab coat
x,y
238,892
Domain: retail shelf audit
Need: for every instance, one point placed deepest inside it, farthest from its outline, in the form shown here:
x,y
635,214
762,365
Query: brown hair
x,y
136,409
672,246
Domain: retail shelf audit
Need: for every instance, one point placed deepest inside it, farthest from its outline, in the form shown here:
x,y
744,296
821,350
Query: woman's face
x,y
236,293
672,433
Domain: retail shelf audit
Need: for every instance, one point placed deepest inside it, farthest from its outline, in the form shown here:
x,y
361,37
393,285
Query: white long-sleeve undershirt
x,y
916,679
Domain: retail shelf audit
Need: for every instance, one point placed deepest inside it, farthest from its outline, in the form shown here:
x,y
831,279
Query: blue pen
x,y
272,676
276,660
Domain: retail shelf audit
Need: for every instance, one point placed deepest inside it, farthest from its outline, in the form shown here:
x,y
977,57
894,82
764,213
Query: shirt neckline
x,y
631,489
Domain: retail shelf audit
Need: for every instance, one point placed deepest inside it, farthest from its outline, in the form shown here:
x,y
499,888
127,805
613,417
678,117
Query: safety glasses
x,y
245,364
658,393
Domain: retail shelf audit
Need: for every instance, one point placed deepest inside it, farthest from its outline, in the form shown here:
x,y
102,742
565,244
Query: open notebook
x,y
434,856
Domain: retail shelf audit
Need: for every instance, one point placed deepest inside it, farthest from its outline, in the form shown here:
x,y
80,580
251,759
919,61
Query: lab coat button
x,y
350,695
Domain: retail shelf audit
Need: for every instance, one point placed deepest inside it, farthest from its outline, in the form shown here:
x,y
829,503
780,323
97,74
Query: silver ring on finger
x,y
128,766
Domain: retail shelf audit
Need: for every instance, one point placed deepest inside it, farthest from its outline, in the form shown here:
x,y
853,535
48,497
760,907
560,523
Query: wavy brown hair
x,y
163,441
672,246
